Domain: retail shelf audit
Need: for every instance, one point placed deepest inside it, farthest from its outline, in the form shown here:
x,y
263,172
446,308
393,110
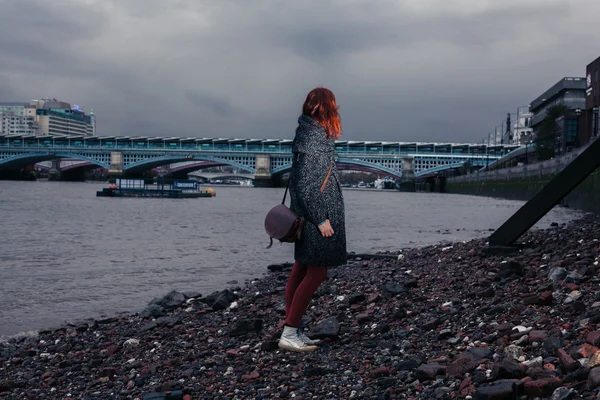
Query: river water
x,y
66,254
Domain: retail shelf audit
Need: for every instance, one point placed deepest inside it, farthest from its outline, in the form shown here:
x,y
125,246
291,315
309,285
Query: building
x,y
46,117
570,92
521,129
592,101
17,119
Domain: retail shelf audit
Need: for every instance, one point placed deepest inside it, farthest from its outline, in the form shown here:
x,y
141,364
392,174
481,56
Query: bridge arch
x,y
146,164
23,160
195,166
440,168
350,164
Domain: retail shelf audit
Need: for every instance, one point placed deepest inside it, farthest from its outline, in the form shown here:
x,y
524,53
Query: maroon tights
x,y
302,284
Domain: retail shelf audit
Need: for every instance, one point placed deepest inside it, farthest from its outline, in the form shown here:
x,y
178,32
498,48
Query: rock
x,y
374,298
552,344
583,351
172,300
196,295
168,321
488,292
538,336
391,289
445,334
431,324
315,371
149,326
408,364
429,372
563,393
478,353
508,269
593,338
579,375
566,361
280,267
169,395
379,372
513,352
573,277
594,360
534,362
252,376
531,300
557,274
153,311
356,298
246,326
221,302
542,387
500,390
461,366
364,318
594,378
329,328
508,369
545,299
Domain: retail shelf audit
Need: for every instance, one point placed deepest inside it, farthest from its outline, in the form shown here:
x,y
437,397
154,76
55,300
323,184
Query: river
x,y
66,254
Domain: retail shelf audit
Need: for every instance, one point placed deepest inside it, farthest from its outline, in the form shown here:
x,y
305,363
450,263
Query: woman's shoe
x,y
308,340
290,340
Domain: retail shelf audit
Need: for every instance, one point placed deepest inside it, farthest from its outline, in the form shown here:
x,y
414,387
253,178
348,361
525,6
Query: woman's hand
x,y
326,229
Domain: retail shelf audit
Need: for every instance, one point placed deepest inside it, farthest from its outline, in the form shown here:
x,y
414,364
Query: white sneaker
x,y
308,340
291,341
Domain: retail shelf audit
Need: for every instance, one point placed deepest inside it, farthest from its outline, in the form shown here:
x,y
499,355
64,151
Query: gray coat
x,y
313,154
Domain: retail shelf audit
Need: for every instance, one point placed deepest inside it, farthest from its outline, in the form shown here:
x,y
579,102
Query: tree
x,y
545,139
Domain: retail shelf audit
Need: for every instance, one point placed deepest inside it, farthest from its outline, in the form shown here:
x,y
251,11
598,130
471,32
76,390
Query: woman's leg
x,y
314,277
296,276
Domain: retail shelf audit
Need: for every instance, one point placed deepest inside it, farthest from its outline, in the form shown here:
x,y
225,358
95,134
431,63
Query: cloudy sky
x,y
405,70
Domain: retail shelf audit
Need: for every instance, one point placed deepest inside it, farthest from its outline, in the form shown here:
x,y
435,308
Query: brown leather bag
x,y
282,223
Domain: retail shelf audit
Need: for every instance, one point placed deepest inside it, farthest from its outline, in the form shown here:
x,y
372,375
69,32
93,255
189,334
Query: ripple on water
x,y
91,256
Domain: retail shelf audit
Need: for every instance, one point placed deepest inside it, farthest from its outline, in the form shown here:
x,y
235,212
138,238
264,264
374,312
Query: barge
x,y
159,188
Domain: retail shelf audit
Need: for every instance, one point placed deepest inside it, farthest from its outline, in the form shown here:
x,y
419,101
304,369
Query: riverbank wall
x,y
524,182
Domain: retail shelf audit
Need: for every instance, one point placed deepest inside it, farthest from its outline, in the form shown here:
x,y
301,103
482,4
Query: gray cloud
x,y
401,69
216,104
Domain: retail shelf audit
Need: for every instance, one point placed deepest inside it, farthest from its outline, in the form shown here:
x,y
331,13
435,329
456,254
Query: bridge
x,y
266,159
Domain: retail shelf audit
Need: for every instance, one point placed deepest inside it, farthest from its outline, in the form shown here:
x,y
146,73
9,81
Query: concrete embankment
x,y
429,323
585,197
522,183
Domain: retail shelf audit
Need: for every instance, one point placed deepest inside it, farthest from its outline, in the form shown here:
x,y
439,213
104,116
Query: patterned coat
x,y
313,154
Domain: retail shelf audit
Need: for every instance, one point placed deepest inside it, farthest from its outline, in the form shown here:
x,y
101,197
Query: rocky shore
x,y
440,322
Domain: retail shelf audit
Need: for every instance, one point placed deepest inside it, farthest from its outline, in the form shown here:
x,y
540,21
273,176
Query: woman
x,y
316,195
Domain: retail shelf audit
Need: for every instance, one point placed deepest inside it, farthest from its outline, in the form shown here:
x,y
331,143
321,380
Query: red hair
x,y
321,106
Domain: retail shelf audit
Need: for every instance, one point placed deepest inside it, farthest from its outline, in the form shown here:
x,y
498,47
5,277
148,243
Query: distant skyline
x,y
402,70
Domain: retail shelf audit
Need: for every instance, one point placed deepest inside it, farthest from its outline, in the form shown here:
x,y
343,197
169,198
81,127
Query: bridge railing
x,y
225,147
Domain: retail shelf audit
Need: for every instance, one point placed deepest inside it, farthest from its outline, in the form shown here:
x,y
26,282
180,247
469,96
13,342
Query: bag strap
x,y
327,177
287,187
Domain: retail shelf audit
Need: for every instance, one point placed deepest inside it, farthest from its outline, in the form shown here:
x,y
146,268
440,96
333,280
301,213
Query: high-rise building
x,y
592,100
18,119
569,92
45,117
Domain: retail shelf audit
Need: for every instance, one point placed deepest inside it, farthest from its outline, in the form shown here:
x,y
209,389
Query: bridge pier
x,y
54,174
262,176
407,181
